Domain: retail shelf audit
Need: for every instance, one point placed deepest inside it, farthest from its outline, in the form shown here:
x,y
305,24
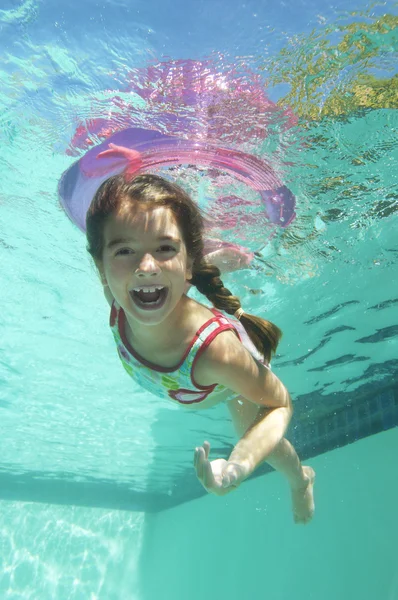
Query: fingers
x,y
228,480
228,477
208,478
202,465
232,476
217,476
206,446
206,451
198,461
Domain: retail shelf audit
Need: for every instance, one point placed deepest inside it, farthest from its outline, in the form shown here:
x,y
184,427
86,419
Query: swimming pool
x,y
98,494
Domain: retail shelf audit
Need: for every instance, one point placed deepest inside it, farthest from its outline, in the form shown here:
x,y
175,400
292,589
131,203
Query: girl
x,y
145,235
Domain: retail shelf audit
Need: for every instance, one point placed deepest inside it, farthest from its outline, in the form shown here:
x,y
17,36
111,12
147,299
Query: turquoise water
x,y
78,444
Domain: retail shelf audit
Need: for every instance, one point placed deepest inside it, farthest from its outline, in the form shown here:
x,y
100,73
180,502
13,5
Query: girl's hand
x,y
218,476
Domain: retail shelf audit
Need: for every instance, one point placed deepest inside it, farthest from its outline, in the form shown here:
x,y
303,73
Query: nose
x,y
147,266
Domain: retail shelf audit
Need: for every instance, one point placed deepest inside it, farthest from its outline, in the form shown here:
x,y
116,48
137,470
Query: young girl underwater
x,y
145,235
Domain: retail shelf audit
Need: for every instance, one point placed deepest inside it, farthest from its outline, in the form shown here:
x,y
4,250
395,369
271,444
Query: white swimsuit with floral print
x,y
176,382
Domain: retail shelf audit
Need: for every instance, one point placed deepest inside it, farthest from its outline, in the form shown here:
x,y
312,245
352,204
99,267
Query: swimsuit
x,y
177,382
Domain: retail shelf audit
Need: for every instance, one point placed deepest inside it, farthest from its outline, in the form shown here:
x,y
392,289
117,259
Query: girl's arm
x,y
261,411
259,437
255,446
227,362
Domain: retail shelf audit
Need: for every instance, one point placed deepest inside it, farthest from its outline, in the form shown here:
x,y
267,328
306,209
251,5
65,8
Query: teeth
x,y
148,289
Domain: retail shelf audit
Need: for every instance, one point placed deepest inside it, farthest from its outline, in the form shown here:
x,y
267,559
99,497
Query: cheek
x,y
178,265
118,269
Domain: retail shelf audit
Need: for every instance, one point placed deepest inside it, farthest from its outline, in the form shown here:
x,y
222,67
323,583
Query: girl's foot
x,y
303,498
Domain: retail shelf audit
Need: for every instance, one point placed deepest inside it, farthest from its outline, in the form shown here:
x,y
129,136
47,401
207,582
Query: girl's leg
x,y
283,458
301,479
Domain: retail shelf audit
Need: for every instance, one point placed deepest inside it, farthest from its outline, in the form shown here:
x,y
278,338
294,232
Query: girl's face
x,y
145,262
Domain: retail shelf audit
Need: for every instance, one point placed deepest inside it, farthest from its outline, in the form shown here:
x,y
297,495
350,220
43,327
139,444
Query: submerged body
x,y
146,262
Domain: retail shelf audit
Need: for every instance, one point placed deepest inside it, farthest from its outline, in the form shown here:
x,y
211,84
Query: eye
x,y
124,252
166,248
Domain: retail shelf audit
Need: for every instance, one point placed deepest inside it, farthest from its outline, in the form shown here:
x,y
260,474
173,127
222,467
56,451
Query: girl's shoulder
x,y
224,347
196,315
228,362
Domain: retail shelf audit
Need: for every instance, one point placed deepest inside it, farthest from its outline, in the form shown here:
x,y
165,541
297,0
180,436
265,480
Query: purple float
x,y
137,151
204,109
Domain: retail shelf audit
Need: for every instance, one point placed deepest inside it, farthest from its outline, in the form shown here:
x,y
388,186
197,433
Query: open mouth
x,y
148,298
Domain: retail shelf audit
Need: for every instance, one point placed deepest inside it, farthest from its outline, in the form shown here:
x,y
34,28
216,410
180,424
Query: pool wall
x,y
245,545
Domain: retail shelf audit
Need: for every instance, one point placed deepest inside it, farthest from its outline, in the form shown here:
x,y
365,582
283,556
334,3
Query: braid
x,y
264,334
207,281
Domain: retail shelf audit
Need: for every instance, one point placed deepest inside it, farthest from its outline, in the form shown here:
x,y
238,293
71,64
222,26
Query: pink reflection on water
x,y
188,98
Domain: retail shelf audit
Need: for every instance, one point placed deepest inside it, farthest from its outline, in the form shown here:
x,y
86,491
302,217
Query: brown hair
x,y
156,191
